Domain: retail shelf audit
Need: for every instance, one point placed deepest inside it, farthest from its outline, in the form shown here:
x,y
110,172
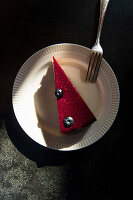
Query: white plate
x,y
35,106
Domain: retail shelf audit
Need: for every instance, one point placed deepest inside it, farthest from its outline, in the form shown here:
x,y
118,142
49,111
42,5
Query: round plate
x,y
35,106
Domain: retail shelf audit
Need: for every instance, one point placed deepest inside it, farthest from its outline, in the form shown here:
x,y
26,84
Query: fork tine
x,y
93,66
97,67
90,65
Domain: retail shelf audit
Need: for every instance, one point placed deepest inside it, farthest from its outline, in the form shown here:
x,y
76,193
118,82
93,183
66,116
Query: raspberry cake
x,y
73,112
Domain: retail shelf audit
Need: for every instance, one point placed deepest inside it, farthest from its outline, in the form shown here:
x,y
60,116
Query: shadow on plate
x,y
47,115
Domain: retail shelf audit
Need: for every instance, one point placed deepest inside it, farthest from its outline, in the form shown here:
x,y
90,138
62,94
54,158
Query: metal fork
x,y
97,51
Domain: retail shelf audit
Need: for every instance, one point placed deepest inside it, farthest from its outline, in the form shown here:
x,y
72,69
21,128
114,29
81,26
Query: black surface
x,y
101,171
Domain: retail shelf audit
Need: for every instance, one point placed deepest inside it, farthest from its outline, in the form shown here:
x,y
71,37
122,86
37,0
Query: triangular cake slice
x,y
73,112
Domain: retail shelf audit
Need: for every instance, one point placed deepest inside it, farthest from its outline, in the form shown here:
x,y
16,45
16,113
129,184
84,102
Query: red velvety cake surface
x,y
71,103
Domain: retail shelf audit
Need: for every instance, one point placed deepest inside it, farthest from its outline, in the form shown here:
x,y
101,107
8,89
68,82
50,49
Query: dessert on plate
x,y
73,112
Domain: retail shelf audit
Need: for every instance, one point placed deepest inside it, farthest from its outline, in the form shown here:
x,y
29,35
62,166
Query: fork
x,y
97,51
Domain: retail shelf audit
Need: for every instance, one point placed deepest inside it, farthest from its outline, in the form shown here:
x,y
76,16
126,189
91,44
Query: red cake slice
x,y
73,112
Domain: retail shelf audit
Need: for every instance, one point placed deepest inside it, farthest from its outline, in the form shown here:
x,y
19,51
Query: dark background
x,y
30,171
